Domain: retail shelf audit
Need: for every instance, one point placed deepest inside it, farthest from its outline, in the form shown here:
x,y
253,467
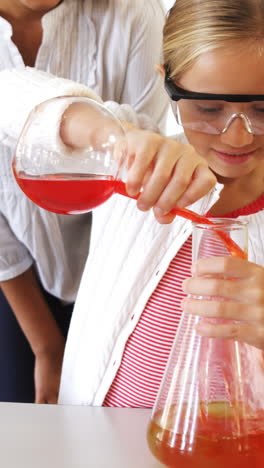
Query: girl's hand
x,y
238,281
171,173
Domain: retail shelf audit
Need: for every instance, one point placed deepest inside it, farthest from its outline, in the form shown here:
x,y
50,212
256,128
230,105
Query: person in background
x,y
101,44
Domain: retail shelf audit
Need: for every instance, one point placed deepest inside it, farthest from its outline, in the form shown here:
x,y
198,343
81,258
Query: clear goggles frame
x,y
211,118
214,113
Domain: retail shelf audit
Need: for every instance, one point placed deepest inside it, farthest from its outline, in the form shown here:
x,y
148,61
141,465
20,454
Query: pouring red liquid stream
x,y
66,195
232,247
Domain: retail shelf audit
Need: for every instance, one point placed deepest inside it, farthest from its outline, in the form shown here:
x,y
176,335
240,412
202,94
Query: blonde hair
x,y
194,27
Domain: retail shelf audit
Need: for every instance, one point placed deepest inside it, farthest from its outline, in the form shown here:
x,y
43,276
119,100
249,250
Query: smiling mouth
x,y
227,154
234,159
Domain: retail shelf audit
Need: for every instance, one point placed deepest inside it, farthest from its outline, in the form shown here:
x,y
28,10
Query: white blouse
x,y
112,47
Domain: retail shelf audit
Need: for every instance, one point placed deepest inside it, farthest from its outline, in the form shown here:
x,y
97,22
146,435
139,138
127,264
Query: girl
x,y
130,298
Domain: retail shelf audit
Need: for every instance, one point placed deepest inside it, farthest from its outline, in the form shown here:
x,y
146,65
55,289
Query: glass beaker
x,y
209,410
63,179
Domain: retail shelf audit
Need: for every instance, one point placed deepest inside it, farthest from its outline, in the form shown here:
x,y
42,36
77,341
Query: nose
x,y
237,134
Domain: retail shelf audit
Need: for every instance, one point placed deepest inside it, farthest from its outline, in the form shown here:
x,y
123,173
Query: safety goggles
x,y
213,113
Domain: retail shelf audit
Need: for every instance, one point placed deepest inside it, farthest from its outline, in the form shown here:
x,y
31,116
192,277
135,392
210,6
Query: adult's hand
x,y
47,376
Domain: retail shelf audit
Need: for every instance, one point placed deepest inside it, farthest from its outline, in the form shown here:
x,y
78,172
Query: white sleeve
x,y
127,113
14,256
22,89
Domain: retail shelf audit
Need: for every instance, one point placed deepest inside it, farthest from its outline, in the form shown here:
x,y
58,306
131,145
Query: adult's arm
x,y
39,326
23,89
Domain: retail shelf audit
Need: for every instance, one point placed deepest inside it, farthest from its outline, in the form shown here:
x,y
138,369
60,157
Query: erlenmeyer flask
x,y
210,408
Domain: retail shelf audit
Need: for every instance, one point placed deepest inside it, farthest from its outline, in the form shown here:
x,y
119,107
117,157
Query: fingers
x,y
202,182
49,398
226,266
52,400
142,147
229,289
250,333
171,176
249,291
227,277
163,219
169,172
216,287
223,309
120,155
39,399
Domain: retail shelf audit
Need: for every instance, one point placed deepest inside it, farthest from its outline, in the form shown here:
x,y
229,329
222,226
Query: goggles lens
x,y
214,117
213,113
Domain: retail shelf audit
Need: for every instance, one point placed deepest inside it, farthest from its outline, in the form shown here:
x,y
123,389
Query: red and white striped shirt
x,y
147,350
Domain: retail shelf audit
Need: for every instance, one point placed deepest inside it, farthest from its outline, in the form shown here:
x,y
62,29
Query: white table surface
x,y
52,436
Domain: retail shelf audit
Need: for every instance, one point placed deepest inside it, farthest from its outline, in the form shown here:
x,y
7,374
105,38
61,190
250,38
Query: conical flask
x,y
209,410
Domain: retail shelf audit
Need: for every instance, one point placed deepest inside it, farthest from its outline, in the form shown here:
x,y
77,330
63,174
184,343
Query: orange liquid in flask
x,y
212,445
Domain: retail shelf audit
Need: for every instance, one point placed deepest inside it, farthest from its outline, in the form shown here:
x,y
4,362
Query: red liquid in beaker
x,y
64,194
212,444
